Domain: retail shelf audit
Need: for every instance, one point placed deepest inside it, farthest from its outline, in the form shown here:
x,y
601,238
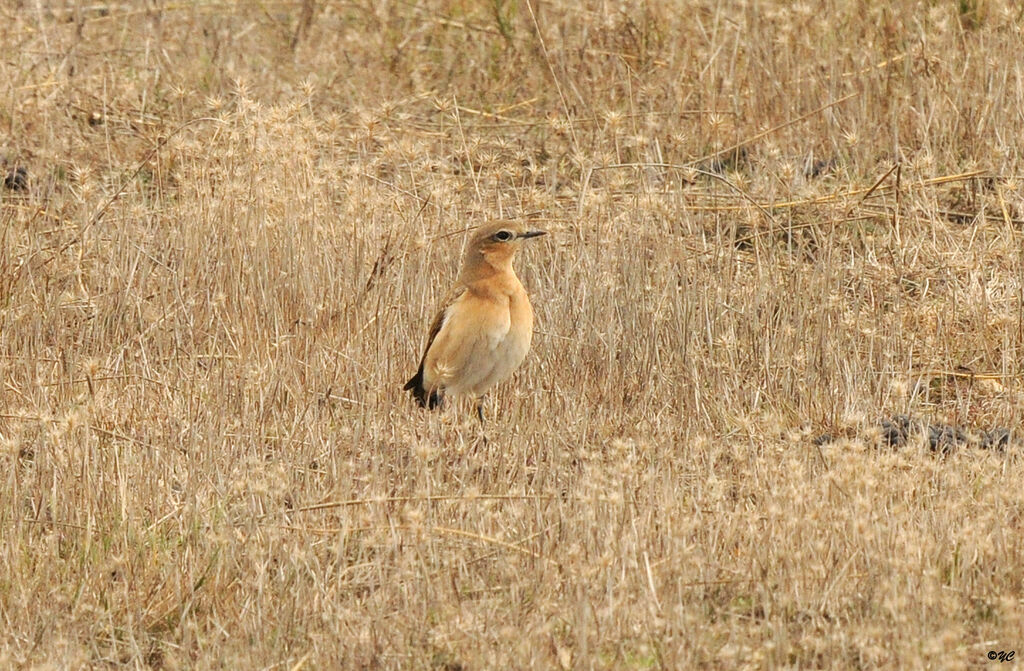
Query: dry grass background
x,y
240,217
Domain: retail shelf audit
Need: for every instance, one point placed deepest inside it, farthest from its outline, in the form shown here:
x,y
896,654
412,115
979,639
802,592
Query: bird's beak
x,y
532,234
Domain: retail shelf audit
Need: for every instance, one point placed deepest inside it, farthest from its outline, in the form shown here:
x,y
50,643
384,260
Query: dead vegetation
x,y
224,224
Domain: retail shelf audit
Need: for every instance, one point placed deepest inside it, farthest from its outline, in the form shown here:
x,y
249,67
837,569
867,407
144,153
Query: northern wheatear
x,y
484,328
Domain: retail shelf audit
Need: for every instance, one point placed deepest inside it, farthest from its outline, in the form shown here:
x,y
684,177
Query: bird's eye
x,y
503,236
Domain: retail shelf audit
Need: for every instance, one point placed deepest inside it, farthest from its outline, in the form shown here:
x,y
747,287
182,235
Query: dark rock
x,y
819,168
16,178
996,439
896,430
725,162
944,438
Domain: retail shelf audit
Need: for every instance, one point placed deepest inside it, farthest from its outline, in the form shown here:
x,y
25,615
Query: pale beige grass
x,y
216,286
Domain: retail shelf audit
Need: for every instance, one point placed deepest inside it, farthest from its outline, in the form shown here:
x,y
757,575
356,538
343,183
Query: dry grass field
x,y
225,226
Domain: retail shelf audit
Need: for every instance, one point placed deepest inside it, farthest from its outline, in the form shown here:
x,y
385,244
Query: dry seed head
x,y
81,174
71,421
423,450
898,387
241,88
923,163
853,419
558,123
92,366
1004,320
613,118
443,105
366,120
308,86
10,445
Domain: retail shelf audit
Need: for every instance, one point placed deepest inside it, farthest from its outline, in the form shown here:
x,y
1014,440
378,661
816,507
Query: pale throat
x,y
493,274
500,261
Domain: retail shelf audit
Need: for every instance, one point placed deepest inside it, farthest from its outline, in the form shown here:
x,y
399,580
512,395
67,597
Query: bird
x,y
483,330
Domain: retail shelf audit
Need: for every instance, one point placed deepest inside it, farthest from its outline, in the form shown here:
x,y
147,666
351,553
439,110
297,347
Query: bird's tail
x,y
425,399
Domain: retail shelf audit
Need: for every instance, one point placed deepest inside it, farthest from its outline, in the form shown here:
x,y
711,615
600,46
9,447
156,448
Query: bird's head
x,y
496,242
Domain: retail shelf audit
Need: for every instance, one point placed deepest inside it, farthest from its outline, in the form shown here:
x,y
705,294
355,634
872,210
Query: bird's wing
x,y
428,397
448,306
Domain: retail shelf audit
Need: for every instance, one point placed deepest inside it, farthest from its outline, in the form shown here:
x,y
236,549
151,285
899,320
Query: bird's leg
x,y
482,437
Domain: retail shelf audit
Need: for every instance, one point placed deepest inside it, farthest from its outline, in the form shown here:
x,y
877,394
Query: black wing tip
x,y
424,399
